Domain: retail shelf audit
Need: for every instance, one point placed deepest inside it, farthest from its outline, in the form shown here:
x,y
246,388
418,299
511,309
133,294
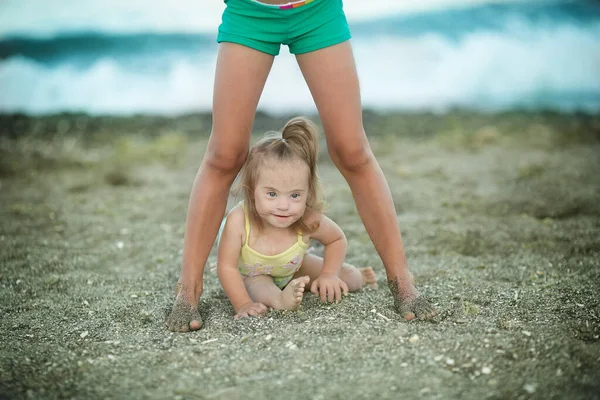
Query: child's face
x,y
281,192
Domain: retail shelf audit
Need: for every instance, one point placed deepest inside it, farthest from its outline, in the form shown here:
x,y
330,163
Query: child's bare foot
x,y
407,301
291,295
369,278
184,316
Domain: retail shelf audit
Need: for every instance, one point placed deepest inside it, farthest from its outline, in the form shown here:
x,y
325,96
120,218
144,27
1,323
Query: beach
x,y
500,217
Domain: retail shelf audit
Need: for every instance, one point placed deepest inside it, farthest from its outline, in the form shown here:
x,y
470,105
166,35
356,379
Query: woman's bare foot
x,y
184,316
369,279
291,295
407,300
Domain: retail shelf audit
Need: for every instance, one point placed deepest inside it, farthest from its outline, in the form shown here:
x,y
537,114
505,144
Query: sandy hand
x,y
329,288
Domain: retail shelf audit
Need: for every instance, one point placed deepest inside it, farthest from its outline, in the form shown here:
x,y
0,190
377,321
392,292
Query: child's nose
x,y
283,204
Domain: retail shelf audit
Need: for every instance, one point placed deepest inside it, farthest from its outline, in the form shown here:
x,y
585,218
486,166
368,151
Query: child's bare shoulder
x,y
236,215
236,220
311,216
313,219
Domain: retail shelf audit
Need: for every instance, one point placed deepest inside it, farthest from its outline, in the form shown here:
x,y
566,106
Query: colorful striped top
x,y
287,6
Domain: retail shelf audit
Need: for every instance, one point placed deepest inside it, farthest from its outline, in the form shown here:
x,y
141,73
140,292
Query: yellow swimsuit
x,y
281,266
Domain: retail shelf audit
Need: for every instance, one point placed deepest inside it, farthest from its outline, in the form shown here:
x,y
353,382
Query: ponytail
x,y
301,133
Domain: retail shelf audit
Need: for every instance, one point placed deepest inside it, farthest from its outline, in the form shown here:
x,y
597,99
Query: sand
x,y
500,215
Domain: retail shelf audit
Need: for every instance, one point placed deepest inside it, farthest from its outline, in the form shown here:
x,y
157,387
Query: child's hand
x,y
329,287
250,309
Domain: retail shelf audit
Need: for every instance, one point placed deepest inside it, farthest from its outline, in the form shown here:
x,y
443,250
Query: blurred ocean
x,y
117,57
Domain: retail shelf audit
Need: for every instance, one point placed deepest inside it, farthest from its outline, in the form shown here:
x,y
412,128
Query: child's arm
x,y
230,245
328,284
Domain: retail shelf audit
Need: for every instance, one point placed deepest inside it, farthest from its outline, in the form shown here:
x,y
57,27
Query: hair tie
x,y
283,140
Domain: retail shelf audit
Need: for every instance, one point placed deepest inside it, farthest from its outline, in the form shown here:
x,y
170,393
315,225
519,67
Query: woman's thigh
x,y
331,76
240,76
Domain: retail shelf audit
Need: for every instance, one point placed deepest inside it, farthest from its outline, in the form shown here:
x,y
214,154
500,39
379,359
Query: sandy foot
x,y
184,317
291,295
407,301
369,277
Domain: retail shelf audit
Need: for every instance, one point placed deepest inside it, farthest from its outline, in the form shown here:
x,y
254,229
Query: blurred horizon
x,y
22,19
109,57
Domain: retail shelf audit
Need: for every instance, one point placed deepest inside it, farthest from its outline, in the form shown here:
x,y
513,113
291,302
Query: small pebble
x,y
165,227
486,370
449,361
526,333
291,346
414,338
83,334
529,388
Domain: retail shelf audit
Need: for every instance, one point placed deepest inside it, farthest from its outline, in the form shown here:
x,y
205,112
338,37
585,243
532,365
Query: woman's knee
x,y
227,160
351,157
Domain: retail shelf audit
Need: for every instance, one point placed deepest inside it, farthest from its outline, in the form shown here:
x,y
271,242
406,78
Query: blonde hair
x,y
297,140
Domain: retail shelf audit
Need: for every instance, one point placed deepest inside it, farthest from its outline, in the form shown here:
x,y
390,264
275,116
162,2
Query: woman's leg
x,y
355,278
240,76
332,79
262,290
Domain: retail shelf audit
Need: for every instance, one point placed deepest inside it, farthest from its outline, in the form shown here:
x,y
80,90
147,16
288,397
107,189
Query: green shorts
x,y
303,26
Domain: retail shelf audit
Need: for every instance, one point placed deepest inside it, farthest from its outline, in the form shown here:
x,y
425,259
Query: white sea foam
x,y
552,67
518,58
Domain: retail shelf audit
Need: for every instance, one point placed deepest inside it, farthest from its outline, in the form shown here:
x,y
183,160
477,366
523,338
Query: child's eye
x,y
271,194
295,195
